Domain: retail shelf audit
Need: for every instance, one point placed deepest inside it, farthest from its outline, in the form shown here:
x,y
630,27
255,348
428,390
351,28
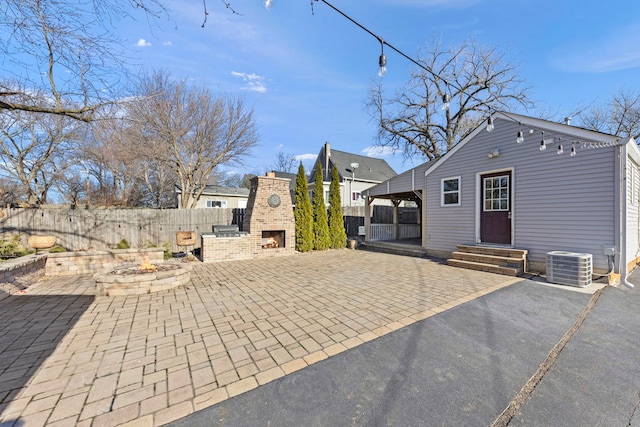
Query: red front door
x,y
495,211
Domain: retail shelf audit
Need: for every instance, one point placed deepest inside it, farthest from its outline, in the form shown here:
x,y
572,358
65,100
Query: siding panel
x,y
559,202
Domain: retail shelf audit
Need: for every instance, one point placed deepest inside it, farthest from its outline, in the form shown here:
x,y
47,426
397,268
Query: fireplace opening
x,y
272,239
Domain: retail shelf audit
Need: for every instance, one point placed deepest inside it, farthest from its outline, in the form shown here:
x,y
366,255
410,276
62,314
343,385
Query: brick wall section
x,y
91,262
227,248
259,217
18,274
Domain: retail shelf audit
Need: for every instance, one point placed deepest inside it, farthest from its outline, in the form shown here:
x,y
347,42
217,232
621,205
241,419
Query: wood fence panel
x,y
83,229
100,228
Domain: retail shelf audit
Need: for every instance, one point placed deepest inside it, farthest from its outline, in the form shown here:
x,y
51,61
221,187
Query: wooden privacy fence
x,y
83,229
102,228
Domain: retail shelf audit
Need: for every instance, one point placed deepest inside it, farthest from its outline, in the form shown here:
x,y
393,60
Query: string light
x,y
382,61
490,125
445,102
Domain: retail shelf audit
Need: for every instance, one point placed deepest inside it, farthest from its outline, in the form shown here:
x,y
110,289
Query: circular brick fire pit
x,y
129,279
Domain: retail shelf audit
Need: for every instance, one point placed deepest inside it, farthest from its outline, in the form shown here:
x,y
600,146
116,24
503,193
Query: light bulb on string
x,y
445,101
520,137
490,125
573,151
543,146
382,62
560,149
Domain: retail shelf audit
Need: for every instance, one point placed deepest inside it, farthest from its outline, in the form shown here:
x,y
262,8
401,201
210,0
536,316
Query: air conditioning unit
x,y
569,268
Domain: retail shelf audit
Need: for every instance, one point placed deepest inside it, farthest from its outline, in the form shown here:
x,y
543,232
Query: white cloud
x,y
167,43
280,146
253,82
378,151
303,157
143,43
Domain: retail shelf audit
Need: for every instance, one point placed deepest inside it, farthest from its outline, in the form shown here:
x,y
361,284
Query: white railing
x,y
381,232
387,231
408,231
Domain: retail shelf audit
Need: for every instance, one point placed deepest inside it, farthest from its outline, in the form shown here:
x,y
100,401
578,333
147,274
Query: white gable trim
x,y
525,121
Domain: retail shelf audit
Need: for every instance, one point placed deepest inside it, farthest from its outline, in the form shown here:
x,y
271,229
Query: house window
x,y
216,203
450,195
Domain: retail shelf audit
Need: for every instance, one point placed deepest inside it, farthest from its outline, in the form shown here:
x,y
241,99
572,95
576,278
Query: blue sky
x,y
307,75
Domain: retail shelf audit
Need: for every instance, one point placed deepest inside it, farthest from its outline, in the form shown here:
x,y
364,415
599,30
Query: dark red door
x,y
495,212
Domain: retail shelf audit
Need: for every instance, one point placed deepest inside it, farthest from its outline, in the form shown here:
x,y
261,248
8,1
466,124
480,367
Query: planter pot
x,y
353,244
42,242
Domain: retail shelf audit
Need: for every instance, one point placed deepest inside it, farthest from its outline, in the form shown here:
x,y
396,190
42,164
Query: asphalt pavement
x,y
463,367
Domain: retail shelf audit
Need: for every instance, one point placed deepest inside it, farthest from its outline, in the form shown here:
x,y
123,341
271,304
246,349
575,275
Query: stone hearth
x,y
269,225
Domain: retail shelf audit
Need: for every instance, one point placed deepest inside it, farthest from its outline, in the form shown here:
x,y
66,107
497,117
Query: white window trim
x,y
442,192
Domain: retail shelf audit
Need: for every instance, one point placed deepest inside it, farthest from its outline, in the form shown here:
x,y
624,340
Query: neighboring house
x,y
562,188
215,196
293,177
357,173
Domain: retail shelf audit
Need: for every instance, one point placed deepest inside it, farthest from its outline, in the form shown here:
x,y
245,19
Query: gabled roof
x,y
292,177
369,169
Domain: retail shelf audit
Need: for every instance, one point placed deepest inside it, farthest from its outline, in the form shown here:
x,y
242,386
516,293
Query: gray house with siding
x,y
529,184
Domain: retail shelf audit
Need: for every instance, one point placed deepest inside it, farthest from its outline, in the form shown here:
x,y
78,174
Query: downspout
x,y
624,275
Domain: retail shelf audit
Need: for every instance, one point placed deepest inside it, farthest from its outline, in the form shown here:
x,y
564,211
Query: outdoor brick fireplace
x,y
269,225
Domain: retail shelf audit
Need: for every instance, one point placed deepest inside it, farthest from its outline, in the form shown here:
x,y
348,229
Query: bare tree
x,y
10,192
194,130
118,160
284,162
620,116
33,148
72,187
59,55
475,81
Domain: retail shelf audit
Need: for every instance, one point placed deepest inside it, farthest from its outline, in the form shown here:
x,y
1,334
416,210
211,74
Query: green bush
x,y
168,254
12,247
321,240
123,244
303,213
337,233
57,249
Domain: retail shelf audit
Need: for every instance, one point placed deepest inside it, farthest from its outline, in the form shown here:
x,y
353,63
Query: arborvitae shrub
x,y
303,213
321,239
336,220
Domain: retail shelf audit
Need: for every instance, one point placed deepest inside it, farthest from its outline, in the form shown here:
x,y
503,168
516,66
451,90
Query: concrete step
x,y
481,266
494,251
489,259
395,249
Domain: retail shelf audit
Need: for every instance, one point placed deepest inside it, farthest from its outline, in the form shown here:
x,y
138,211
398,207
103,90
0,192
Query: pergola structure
x,y
407,186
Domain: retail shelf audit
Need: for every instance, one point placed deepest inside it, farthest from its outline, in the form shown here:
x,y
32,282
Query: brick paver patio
x,y
70,358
